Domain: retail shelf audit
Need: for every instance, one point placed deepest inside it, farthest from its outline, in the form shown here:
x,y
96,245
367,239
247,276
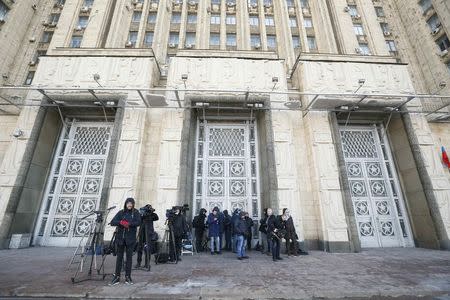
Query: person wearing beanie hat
x,y
126,220
214,230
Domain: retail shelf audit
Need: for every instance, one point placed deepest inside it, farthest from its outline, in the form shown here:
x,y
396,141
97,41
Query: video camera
x,y
146,211
170,213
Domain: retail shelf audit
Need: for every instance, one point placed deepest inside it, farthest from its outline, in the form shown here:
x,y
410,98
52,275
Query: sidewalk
x,y
380,274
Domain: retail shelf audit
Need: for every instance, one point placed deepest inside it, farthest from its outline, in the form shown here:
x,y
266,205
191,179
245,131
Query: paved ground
x,y
375,274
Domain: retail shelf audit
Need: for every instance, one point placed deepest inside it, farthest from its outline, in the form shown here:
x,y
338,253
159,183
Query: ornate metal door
x,y
227,167
376,195
75,183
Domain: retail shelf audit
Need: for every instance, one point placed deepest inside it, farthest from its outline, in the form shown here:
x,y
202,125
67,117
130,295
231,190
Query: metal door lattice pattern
x,y
74,188
374,188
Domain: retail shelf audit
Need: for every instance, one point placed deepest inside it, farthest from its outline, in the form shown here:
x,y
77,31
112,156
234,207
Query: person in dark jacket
x,y
126,221
147,236
291,235
241,232
179,229
265,240
199,226
227,229
249,236
234,219
214,224
274,228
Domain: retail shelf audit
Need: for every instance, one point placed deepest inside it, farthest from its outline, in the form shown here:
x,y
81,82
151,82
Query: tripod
x,y
144,245
168,241
91,243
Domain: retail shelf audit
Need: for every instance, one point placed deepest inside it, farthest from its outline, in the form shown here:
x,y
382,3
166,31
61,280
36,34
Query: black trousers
x,y
199,240
228,239
123,247
275,248
291,246
175,253
249,241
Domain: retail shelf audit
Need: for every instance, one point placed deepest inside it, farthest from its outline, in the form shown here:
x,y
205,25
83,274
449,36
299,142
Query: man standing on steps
x,y
241,232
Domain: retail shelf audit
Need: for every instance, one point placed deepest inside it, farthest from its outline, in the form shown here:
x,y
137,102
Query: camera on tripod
x,y
170,213
146,211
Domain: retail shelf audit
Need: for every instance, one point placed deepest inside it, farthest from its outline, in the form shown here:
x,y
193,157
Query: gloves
x,y
124,223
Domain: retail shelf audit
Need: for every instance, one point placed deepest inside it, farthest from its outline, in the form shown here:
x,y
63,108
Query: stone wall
x,y
8,125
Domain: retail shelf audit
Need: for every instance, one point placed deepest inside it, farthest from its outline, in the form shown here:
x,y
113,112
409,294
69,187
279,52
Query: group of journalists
x,y
214,232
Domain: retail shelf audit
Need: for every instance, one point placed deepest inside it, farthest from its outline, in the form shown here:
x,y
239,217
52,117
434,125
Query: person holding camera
x,y
199,227
241,232
179,231
126,221
147,235
274,231
214,226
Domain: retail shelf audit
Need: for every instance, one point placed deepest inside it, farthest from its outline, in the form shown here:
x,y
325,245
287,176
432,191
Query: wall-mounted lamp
x,y
275,82
184,77
97,78
18,133
361,82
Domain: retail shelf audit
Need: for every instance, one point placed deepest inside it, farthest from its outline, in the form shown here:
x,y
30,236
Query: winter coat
x,y
249,222
234,219
241,227
227,223
263,225
290,229
199,223
179,226
126,235
214,225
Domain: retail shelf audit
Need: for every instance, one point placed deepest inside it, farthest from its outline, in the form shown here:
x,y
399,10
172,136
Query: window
x,y
443,43
364,49
136,18
271,41
88,3
54,18
293,21
176,18
29,78
231,40
215,1
148,39
426,5
151,19
173,38
304,3
215,19
192,18
75,42
230,20
255,40
269,21
307,22
46,37
38,54
190,39
60,2
434,22
132,38
358,28
296,41
252,2
214,39
379,11
353,10
385,27
83,21
290,3
3,11
391,46
312,45
268,2
253,20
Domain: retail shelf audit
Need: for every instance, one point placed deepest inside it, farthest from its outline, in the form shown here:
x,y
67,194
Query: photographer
x,y
241,232
199,225
126,221
179,229
147,235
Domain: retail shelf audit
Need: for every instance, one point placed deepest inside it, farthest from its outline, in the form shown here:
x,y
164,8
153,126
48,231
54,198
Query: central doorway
x,y
226,167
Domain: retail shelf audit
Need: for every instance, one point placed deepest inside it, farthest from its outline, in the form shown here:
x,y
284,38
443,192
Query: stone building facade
x,y
336,109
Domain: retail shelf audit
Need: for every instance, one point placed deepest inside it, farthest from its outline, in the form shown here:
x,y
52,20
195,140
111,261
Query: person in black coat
x,y
126,221
249,222
274,229
227,229
241,232
199,225
147,235
179,228
291,236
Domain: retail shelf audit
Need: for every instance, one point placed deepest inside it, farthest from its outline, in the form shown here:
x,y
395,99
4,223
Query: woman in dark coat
x,y
126,220
291,235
